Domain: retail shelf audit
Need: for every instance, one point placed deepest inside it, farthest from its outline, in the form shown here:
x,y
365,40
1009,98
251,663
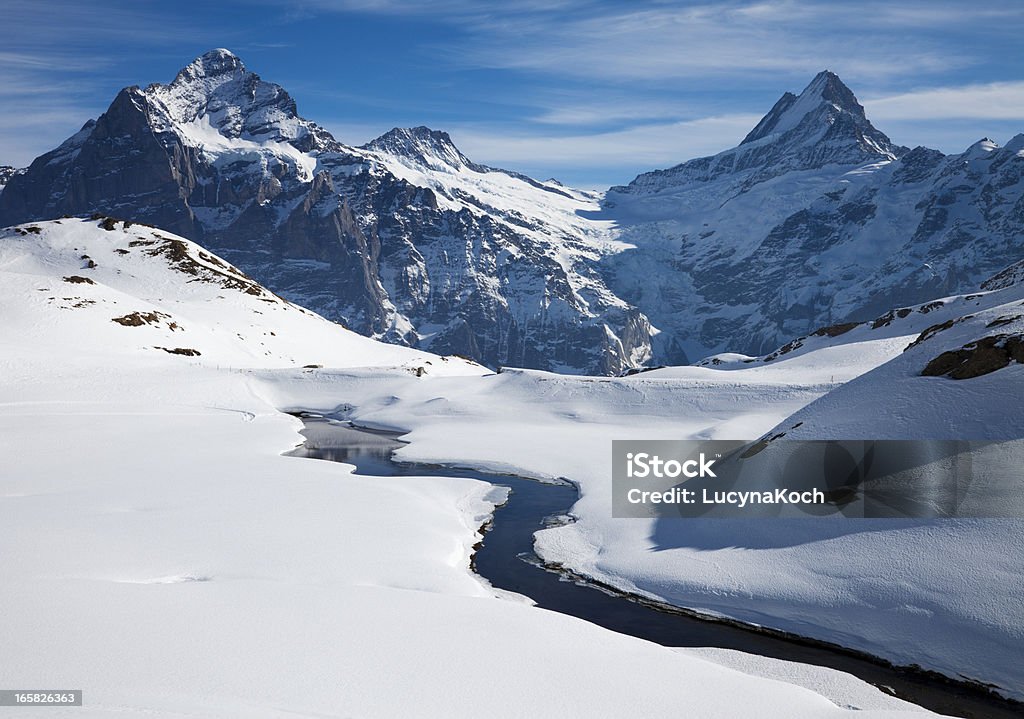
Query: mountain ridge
x,y
393,248
824,124
776,237
814,218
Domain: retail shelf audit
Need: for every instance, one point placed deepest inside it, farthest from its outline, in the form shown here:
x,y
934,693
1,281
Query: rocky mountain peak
x,y
822,126
1016,144
825,108
827,86
431,148
217,89
215,63
982,147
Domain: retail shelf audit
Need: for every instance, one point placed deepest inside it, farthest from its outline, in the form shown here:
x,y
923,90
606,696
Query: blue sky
x,y
589,92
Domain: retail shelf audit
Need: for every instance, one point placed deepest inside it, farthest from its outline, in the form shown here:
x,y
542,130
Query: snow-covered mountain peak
x,y
423,146
1016,144
817,215
218,76
215,63
813,223
217,91
826,111
790,110
827,86
405,239
822,127
981,148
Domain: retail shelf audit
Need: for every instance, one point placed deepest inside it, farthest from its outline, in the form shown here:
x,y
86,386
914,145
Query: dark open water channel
x,y
506,559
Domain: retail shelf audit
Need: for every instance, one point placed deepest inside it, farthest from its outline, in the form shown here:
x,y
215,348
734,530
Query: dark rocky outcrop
x,y
978,358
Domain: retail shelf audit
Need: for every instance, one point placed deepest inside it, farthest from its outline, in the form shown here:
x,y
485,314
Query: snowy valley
x,y
200,264
173,561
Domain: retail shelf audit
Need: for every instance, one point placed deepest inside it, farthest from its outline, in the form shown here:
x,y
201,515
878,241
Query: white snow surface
x,y
159,553
944,594
842,689
895,401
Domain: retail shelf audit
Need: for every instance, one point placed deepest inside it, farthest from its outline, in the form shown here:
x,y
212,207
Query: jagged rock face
x,y
426,147
390,239
815,219
1008,277
6,173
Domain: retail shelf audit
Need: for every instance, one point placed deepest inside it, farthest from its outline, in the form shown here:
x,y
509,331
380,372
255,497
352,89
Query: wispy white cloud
x,y
951,135
591,84
449,10
37,111
996,100
34,128
59,65
599,113
666,43
582,107
656,41
647,145
936,13
67,26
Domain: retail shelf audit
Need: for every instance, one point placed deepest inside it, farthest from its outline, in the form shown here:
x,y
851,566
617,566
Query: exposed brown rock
x,y
137,319
930,332
835,330
886,319
978,358
187,351
1004,320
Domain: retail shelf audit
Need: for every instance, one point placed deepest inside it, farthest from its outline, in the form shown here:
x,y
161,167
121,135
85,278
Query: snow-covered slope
x,y
889,333
144,295
160,554
961,378
404,239
942,594
1012,275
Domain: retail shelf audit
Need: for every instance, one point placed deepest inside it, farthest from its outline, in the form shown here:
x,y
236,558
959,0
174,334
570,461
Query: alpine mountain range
x,y
815,218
